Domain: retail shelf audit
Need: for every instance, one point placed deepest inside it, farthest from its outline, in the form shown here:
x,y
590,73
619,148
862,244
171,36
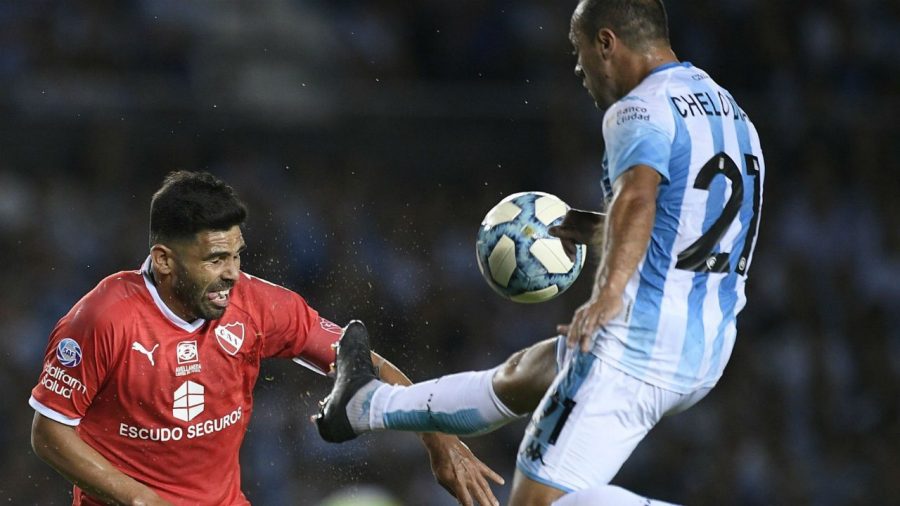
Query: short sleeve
x,y
293,329
637,131
75,365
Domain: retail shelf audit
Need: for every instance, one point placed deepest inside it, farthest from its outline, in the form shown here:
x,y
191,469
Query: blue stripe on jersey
x,y
746,214
695,335
727,301
728,295
605,184
645,313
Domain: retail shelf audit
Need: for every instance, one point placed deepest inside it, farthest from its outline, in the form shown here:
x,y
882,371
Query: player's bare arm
x,y
59,446
629,225
454,465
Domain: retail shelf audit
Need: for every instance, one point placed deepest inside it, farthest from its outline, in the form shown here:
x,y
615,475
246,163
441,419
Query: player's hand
x,y
459,471
588,318
578,227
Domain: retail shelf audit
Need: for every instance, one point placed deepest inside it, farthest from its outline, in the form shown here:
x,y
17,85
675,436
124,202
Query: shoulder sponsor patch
x,y
68,352
56,380
634,112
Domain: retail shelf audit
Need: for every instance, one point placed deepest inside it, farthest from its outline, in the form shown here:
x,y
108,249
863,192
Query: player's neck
x,y
643,63
168,297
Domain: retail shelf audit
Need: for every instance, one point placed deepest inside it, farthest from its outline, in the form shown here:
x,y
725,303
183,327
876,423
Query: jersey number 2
x,y
699,256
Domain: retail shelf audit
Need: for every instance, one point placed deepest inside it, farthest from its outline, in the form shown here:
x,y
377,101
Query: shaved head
x,y
640,24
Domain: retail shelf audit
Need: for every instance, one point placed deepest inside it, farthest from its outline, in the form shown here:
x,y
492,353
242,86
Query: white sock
x,y
358,407
463,404
606,495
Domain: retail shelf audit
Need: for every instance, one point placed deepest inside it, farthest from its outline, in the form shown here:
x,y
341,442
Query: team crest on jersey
x,y
68,352
328,326
230,337
188,358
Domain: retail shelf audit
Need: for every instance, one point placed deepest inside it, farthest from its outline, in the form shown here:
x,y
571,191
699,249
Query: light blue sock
x,y
463,404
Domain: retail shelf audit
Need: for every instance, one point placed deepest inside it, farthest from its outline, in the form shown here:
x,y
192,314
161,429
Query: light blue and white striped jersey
x,y
677,328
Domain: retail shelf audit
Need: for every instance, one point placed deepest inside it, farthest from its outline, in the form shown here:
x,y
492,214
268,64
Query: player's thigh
x,y
521,381
587,425
527,492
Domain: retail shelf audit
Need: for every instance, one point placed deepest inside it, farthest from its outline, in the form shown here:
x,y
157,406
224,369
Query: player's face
x,y
594,70
206,270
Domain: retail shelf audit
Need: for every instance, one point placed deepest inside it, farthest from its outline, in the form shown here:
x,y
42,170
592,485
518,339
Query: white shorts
x,y
589,421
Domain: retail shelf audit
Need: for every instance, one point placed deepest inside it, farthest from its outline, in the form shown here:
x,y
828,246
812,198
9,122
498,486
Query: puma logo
x,y
136,346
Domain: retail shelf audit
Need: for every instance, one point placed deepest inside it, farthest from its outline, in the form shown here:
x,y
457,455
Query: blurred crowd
x,y
369,137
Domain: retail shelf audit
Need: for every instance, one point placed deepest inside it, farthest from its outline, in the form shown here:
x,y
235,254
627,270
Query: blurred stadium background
x,y
369,137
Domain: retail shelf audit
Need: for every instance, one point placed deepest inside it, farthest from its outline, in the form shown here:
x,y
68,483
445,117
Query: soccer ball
x,y
516,253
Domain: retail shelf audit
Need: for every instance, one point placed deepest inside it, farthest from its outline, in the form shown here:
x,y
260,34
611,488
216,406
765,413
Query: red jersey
x,y
167,401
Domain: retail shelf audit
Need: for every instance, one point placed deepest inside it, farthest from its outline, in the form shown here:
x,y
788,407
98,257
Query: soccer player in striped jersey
x,y
683,173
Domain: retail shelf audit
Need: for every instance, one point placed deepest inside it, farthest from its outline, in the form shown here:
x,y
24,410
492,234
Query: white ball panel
x,y
551,254
549,208
502,261
537,295
501,213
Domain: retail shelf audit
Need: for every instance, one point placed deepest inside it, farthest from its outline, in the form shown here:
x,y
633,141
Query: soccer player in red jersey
x,y
146,388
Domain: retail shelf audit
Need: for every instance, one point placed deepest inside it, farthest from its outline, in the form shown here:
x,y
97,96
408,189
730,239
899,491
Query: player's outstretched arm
x,y
454,465
60,446
628,229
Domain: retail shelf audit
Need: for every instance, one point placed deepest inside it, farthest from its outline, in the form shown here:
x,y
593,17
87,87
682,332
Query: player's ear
x,y
162,259
605,42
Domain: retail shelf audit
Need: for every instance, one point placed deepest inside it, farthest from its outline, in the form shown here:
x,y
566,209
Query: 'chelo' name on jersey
x,y
703,104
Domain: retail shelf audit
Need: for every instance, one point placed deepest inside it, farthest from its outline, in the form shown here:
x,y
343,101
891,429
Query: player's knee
x,y
521,381
509,375
510,381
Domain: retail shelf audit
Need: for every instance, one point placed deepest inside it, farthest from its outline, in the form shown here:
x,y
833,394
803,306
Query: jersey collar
x,y
154,293
667,66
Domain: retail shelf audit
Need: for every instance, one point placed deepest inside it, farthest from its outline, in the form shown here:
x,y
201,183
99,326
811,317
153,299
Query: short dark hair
x,y
190,202
639,23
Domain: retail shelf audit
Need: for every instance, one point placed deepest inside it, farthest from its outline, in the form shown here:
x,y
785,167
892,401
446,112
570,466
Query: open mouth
x,y
219,298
